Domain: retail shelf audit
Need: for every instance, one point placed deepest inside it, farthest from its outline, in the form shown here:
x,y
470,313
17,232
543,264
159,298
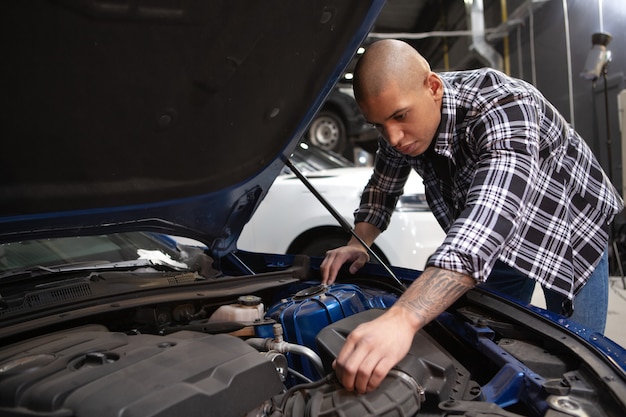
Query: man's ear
x,y
435,85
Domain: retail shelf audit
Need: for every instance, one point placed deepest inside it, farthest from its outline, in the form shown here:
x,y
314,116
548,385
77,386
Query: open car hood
x,y
141,115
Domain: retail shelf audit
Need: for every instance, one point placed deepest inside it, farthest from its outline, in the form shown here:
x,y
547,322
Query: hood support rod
x,y
344,224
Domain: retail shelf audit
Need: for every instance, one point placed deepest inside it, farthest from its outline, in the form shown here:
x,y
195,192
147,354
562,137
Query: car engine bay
x,y
269,352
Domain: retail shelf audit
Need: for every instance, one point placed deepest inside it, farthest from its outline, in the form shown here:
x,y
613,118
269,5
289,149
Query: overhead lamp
x,y
598,57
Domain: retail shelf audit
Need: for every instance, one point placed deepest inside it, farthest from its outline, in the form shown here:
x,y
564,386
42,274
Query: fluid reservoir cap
x,y
310,292
249,300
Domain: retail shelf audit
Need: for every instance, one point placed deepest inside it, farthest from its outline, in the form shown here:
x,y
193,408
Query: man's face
x,y
408,120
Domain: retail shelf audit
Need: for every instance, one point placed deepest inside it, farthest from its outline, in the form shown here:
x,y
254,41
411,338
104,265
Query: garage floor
x,y
615,328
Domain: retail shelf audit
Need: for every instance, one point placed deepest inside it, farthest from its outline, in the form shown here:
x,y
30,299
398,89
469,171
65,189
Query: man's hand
x,y
373,348
335,258
353,252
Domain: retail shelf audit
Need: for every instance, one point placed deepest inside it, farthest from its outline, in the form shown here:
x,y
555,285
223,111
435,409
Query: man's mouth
x,y
406,149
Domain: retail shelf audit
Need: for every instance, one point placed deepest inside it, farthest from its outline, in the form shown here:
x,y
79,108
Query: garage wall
x,y
558,75
549,49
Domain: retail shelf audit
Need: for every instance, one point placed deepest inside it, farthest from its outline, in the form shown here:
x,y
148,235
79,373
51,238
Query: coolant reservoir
x,y
313,308
248,309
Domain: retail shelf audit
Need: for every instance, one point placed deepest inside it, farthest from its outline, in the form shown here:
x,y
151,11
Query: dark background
x,y
543,42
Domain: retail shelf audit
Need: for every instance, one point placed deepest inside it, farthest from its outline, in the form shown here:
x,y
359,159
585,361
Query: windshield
x,y
55,252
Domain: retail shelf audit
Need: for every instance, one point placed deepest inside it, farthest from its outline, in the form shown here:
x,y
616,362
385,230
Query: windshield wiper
x,y
39,270
124,265
32,271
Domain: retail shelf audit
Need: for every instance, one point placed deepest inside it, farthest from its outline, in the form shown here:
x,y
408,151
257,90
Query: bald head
x,y
388,61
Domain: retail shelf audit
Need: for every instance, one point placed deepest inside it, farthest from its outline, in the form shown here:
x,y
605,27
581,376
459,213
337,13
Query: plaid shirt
x,y
507,178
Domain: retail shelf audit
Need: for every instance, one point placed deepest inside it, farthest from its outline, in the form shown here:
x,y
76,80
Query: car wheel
x,y
319,246
328,132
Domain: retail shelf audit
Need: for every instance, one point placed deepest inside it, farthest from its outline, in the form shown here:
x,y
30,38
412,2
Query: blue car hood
x,y
137,116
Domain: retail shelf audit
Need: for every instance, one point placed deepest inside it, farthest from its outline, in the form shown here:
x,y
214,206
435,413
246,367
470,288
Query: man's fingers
x,y
372,349
358,263
335,258
379,373
355,363
330,267
365,371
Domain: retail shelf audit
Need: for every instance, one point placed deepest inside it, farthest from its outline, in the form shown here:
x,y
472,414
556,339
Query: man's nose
x,y
394,135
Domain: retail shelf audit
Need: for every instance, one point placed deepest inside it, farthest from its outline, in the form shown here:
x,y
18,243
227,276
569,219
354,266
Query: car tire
x,y
318,246
328,132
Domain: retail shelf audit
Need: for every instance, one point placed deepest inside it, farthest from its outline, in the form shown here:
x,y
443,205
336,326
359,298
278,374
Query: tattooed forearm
x,y
434,291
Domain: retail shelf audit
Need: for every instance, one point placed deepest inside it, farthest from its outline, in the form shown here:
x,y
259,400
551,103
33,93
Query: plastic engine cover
x,y
93,372
438,373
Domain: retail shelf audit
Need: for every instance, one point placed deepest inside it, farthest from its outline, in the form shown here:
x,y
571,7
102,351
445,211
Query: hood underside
x,y
140,113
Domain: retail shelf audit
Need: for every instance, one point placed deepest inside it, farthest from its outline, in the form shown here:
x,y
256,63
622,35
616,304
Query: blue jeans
x,y
590,305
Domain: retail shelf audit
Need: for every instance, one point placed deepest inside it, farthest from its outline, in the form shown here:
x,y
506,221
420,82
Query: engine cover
x,y
441,377
93,372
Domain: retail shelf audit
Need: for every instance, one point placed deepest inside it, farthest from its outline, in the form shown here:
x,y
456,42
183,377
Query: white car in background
x,y
291,220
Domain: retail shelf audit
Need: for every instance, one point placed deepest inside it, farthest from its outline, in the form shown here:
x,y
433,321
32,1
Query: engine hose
x,y
291,391
285,347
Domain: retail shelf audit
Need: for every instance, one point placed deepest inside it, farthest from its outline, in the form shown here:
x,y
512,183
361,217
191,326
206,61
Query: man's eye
x,y
401,116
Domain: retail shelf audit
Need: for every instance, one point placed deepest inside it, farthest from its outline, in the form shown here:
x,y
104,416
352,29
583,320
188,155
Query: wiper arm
x,y
29,272
136,263
38,270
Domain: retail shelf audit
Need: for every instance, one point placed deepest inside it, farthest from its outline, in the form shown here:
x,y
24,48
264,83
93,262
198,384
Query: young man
x,y
517,191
